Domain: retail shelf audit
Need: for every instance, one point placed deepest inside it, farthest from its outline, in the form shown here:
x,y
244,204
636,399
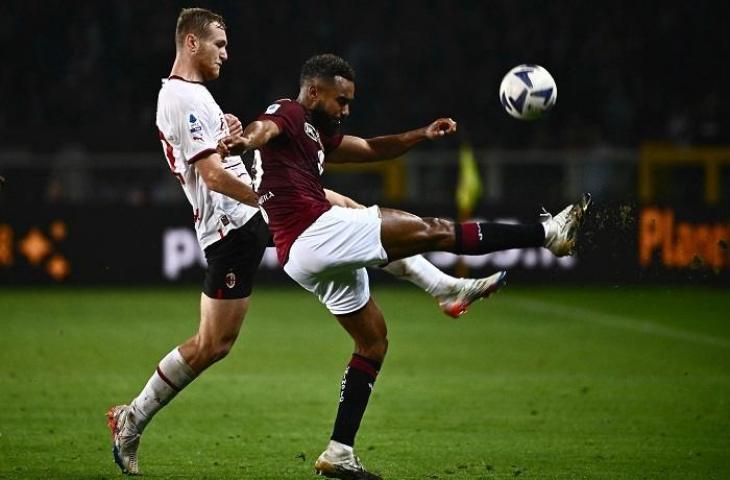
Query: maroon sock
x,y
357,384
474,238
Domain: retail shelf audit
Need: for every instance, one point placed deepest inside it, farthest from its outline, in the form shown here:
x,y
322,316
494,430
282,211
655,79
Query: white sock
x,y
337,449
172,375
423,274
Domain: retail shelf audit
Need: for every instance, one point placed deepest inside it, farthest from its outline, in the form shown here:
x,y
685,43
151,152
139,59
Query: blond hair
x,y
196,21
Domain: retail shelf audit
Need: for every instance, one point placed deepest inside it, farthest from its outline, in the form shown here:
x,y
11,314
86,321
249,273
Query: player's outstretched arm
x,y
222,181
255,135
359,150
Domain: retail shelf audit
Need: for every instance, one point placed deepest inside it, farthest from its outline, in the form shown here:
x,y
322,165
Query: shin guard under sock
x,y
477,238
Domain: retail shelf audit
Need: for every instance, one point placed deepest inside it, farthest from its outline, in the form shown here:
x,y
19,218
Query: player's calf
x,y
403,234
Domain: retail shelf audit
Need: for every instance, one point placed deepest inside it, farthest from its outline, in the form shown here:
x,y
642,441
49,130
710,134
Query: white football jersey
x,y
190,124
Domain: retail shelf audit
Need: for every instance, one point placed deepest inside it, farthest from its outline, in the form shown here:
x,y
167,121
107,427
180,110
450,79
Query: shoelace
x,y
353,462
545,215
560,219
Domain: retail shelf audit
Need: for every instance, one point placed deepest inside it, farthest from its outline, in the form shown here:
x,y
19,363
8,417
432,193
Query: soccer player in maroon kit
x,y
326,248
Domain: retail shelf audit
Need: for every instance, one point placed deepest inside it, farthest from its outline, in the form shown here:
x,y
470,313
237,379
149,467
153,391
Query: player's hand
x,y
235,127
222,149
234,144
441,127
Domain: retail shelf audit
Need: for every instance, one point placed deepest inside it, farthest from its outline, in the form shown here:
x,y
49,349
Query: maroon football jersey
x,y
287,178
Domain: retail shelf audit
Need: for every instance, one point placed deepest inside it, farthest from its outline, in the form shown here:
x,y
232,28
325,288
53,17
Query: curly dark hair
x,y
327,66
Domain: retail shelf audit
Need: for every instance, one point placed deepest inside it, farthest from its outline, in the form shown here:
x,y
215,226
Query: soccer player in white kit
x,y
228,224
196,137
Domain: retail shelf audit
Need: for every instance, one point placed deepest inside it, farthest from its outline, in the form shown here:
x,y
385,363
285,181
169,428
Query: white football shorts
x,y
329,257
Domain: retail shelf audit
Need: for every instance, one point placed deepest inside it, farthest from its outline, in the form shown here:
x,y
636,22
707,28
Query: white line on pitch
x,y
616,321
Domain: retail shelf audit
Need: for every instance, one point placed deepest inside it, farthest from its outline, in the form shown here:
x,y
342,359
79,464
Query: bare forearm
x,y
387,147
257,134
356,149
224,182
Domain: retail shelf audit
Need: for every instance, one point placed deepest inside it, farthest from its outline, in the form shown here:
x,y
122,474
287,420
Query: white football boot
x,y
339,461
125,439
561,230
468,291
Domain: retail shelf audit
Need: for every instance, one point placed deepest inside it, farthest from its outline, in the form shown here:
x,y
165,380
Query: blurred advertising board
x,y
156,245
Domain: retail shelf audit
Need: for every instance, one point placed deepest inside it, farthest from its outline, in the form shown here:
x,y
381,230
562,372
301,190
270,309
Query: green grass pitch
x,y
535,383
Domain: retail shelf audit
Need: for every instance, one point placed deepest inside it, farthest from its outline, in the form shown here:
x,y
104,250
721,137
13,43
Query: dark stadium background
x,y
610,365
88,72
80,79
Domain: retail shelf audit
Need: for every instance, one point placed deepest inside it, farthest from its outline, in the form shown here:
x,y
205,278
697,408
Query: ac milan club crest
x,y
230,280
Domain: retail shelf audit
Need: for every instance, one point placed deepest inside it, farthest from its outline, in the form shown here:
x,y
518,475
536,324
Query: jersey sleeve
x,y
198,132
287,115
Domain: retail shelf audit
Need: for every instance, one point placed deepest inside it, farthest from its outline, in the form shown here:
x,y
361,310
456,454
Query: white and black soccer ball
x,y
528,91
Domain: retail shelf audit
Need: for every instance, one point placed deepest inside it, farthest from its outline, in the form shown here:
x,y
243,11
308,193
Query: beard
x,y
210,73
325,123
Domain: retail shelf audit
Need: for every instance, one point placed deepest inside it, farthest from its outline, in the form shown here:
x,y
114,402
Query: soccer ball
x,y
528,91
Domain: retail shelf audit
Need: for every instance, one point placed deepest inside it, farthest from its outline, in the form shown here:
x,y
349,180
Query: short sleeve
x,y
198,133
287,115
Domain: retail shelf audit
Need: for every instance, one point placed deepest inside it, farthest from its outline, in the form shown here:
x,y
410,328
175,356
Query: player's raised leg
x,y
220,323
454,295
404,234
367,328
